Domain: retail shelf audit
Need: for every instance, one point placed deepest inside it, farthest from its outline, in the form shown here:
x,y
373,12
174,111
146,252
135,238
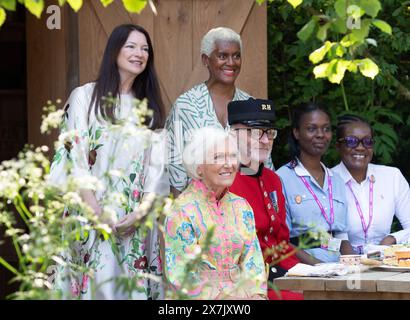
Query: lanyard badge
x,y
365,226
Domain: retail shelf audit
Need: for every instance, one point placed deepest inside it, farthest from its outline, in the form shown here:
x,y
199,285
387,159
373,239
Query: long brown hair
x,y
145,84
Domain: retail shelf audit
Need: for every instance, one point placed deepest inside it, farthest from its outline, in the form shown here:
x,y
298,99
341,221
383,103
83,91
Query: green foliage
x,y
44,221
36,7
344,26
295,37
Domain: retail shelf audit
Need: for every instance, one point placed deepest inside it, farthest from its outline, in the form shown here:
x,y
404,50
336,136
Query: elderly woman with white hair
x,y
230,265
206,103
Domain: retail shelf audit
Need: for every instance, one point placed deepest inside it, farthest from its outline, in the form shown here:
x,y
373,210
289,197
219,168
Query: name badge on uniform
x,y
298,199
274,199
330,243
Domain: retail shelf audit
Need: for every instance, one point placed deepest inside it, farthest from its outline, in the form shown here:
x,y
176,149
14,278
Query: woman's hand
x,y
306,258
126,226
346,248
388,241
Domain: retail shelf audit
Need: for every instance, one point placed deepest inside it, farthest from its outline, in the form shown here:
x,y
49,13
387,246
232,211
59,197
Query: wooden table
x,y
372,284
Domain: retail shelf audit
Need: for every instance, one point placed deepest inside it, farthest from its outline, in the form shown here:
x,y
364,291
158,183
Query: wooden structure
x,y
370,285
59,60
56,61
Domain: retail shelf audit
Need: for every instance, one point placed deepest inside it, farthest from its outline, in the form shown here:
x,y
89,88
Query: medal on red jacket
x,y
274,200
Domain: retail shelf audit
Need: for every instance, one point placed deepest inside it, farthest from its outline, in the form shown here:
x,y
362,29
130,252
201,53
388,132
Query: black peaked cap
x,y
252,112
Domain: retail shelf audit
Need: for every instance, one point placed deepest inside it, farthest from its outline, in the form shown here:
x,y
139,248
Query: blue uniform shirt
x,y
303,213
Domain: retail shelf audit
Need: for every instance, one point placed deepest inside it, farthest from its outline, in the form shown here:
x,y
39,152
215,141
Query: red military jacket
x,y
263,191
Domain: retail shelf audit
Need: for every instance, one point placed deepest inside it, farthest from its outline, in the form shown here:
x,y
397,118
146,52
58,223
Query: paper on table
x,y
323,270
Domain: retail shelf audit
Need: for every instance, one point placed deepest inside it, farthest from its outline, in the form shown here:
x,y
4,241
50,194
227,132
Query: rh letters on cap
x,y
266,107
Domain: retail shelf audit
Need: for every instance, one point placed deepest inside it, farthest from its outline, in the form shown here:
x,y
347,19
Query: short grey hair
x,y
218,34
196,151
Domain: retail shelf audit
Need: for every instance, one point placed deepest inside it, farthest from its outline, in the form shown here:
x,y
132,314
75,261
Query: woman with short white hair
x,y
230,265
206,103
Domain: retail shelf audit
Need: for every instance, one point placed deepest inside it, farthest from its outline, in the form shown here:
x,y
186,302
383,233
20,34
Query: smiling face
x,y
252,146
224,63
314,133
356,159
133,57
219,170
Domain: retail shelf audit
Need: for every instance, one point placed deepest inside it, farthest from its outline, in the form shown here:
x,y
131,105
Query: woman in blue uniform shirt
x,y
315,197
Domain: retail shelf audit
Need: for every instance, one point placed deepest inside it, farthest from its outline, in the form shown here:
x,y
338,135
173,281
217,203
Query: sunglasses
x,y
270,133
353,142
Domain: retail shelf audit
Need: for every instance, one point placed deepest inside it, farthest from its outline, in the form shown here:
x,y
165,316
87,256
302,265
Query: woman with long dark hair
x,y
315,197
127,166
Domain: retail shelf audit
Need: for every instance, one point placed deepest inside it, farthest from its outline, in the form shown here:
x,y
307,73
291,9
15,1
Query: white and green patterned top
x,y
192,110
125,164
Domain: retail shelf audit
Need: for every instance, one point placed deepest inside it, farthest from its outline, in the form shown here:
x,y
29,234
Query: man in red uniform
x,y
253,122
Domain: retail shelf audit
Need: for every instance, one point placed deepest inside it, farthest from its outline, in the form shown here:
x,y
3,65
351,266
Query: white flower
x,y
72,198
88,182
115,173
51,121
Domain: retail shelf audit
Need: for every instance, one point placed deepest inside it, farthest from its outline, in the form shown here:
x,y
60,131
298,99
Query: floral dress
x,y
231,266
127,167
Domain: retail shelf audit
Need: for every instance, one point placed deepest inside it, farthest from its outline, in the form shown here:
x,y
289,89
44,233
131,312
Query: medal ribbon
x,y
359,209
329,185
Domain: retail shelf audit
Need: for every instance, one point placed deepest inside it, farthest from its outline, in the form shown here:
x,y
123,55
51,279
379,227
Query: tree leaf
x,y
61,2
320,71
318,55
352,67
372,7
339,25
382,25
106,3
307,30
2,16
371,41
348,40
134,6
36,7
8,5
338,70
340,7
388,141
340,50
355,11
295,3
75,4
387,130
362,33
322,32
368,68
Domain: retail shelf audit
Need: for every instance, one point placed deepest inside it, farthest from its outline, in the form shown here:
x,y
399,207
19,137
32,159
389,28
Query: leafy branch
x,y
36,7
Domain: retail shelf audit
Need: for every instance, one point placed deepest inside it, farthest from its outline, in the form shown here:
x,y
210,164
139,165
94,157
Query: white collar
x,y
300,170
346,176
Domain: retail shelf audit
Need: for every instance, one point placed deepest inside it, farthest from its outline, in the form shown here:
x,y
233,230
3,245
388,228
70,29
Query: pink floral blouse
x,y
231,266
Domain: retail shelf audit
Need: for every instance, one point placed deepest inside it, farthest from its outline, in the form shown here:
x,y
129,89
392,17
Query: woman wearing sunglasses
x,y
375,193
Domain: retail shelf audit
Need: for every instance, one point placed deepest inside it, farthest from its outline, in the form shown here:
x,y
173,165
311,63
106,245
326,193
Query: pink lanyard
x,y
329,185
359,209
